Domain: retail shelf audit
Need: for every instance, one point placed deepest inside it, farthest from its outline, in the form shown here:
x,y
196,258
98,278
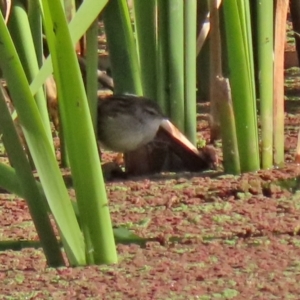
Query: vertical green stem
x,y
241,81
91,70
21,33
220,96
265,66
190,18
162,62
122,48
35,22
145,22
176,62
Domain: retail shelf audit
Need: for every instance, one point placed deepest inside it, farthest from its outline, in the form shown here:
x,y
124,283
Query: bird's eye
x,y
151,111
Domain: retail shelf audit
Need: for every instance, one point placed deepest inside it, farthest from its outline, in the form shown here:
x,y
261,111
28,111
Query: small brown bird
x,y
127,122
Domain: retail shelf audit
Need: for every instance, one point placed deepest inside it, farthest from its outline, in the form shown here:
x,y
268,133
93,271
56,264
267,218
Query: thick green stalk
x,y
176,63
35,22
190,25
92,87
162,62
69,10
91,70
40,148
20,31
220,96
37,207
122,49
265,66
244,10
80,139
241,83
145,24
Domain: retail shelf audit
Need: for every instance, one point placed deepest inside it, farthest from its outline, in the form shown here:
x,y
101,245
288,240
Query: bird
x,y
127,122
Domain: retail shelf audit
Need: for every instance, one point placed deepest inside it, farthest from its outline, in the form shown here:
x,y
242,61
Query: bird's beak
x,y
177,135
205,157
